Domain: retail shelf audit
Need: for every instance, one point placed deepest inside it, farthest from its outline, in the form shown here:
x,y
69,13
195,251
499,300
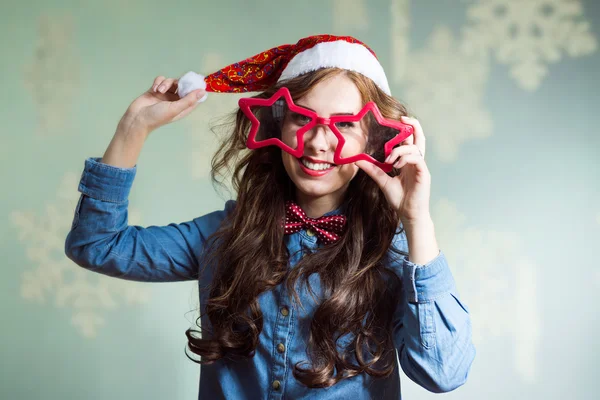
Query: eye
x,y
344,124
299,119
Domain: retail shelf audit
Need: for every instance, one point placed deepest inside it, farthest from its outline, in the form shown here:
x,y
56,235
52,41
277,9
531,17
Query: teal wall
x,y
507,92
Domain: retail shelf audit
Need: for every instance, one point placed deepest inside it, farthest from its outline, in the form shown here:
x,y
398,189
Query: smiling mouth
x,y
316,166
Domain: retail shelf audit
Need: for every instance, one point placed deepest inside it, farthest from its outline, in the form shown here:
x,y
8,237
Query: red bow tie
x,y
328,229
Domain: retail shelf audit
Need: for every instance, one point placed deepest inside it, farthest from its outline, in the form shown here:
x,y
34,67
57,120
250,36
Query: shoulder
x,y
209,223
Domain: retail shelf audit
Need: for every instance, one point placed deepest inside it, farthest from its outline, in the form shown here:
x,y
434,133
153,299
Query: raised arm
x,y
102,241
100,238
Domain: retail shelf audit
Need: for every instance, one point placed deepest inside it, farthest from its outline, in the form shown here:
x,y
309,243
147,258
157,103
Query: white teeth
x,y
315,166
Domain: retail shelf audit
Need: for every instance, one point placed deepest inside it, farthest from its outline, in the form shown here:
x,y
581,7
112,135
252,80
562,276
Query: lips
x,y
315,165
314,172
317,161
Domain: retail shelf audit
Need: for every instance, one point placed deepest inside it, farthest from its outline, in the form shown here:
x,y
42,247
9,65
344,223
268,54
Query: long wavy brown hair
x,y
351,329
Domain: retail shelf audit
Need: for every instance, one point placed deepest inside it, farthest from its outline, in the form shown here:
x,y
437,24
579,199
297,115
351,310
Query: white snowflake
x,y
529,35
53,76
349,15
213,111
444,86
52,275
497,281
400,38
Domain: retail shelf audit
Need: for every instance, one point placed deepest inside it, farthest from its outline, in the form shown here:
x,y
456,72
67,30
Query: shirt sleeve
x,y
101,240
432,328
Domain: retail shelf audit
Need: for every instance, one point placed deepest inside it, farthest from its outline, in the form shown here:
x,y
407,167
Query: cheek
x,y
354,146
343,175
289,162
288,136
348,171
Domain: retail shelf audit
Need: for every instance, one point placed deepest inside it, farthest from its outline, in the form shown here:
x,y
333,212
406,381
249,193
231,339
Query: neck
x,y
316,207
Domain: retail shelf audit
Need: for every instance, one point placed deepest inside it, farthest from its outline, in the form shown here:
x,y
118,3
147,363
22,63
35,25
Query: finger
x,y
409,140
157,81
173,88
418,135
165,85
376,173
409,159
399,151
185,112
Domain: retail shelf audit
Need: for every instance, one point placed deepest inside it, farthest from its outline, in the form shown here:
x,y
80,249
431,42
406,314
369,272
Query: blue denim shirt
x,y
432,328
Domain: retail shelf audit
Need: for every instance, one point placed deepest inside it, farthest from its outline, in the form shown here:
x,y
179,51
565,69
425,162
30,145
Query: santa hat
x,y
265,69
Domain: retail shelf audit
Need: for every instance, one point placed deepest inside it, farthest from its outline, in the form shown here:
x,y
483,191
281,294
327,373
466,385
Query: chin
x,y
335,181
316,189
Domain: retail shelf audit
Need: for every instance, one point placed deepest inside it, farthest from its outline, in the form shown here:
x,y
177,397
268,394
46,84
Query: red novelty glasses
x,y
368,136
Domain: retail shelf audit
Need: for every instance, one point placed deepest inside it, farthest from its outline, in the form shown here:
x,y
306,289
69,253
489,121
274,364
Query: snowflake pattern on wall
x,y
444,86
52,77
213,111
53,279
498,282
529,35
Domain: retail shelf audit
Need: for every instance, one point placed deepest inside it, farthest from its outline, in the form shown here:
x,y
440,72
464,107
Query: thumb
x,y
376,173
188,101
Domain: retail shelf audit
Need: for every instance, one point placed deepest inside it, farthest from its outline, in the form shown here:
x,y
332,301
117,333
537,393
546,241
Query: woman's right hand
x,y
160,105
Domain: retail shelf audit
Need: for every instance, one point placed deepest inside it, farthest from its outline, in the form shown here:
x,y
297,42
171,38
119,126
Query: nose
x,y
320,139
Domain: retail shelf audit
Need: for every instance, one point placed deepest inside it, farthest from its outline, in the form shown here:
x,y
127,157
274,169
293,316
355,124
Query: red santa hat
x,y
265,69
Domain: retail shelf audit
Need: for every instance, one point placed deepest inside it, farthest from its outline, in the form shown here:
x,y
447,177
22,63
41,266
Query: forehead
x,y
337,94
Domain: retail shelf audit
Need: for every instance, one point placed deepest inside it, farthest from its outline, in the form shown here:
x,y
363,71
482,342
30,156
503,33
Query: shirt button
x,y
310,233
276,385
281,347
285,311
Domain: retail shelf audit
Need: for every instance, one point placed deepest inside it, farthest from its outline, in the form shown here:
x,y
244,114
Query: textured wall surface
x,y
507,92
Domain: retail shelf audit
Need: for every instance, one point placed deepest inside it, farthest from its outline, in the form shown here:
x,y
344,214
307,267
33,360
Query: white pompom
x,y
189,82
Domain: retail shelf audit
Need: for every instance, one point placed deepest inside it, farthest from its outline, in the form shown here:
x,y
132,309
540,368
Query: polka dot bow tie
x,y
328,229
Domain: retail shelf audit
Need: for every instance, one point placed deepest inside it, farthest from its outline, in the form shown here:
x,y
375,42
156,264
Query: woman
x,y
320,275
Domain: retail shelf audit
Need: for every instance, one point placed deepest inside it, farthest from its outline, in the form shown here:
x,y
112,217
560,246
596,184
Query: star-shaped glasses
x,y
368,136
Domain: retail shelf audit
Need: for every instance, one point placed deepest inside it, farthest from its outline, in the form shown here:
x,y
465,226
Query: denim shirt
x,y
432,327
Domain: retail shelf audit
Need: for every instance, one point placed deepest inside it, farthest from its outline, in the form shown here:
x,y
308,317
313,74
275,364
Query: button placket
x,y
285,312
281,334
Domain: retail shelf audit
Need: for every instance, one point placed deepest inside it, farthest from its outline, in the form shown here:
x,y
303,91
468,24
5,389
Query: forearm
x,y
422,244
437,353
433,327
126,145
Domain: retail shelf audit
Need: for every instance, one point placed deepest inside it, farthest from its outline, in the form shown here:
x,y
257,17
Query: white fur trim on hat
x,y
189,82
340,54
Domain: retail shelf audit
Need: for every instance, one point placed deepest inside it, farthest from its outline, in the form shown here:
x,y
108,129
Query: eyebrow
x,y
340,113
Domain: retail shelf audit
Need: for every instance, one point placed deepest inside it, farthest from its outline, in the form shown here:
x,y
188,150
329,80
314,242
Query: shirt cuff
x,y
427,282
106,182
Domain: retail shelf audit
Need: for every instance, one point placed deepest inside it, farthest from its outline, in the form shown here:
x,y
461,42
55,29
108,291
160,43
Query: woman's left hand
x,y
408,192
